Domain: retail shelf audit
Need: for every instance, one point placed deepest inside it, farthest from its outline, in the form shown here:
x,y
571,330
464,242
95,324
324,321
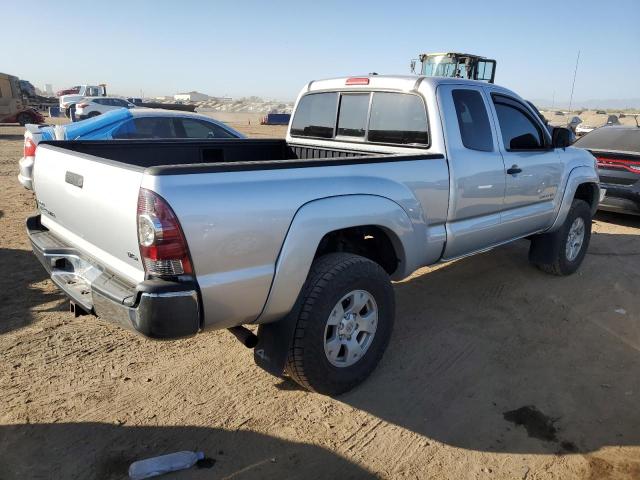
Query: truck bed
x,y
235,201
172,156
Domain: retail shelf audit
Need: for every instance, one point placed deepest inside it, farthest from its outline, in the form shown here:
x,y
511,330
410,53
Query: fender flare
x,y
319,217
310,224
577,177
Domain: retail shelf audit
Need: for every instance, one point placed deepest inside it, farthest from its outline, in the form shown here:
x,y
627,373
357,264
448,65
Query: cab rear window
x,y
316,115
376,117
398,118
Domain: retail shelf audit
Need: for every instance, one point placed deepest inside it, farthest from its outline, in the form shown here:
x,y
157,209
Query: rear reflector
x,y
357,81
162,244
619,163
29,148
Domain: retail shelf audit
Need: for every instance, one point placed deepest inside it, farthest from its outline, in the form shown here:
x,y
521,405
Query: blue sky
x,y
271,48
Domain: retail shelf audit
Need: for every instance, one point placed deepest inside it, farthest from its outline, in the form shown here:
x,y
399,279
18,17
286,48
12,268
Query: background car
x,y
94,106
617,150
122,123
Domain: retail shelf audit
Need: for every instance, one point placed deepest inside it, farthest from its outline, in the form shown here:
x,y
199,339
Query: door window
x,y
473,121
519,130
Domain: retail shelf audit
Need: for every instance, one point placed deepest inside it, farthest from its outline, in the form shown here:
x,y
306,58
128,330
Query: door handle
x,y
514,169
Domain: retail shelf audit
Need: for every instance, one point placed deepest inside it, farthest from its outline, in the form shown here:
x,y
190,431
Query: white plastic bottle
x,y
155,466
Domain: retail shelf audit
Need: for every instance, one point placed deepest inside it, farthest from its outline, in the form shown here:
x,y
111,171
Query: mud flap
x,y
274,341
545,248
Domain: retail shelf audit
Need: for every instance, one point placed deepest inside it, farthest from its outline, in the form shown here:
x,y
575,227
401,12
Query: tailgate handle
x,y
74,179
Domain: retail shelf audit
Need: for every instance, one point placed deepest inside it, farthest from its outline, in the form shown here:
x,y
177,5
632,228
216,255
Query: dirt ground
x,y
495,371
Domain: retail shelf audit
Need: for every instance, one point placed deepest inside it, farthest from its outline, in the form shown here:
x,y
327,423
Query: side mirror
x,y
561,137
524,142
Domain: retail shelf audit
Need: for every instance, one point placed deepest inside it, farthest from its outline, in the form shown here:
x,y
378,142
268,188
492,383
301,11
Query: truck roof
x,y
393,82
401,83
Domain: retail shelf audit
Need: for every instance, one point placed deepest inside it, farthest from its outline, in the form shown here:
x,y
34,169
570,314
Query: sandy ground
x,y
474,340
588,117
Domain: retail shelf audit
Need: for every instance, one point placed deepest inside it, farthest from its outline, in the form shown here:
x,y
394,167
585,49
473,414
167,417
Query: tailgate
x,y
91,203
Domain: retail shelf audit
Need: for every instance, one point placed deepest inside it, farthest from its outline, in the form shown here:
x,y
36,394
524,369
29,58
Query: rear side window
x,y
473,120
146,127
398,118
198,129
316,115
352,119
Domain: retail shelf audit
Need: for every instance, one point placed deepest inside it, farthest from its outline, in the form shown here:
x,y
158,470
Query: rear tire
x,y
93,114
345,316
568,246
24,118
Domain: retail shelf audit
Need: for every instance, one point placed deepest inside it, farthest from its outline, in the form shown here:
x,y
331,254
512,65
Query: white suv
x,y
94,106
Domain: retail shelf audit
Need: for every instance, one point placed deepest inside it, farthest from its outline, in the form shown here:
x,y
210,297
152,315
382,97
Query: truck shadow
x,y
10,137
105,451
623,219
23,289
490,354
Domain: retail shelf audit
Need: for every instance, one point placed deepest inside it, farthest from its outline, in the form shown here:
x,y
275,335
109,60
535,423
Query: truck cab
x,y
14,107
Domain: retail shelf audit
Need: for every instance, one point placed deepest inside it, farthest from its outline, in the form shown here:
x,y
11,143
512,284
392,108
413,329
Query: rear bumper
x,y
155,308
621,198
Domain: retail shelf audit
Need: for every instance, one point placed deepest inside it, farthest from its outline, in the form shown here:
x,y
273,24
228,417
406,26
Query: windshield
x,y
443,66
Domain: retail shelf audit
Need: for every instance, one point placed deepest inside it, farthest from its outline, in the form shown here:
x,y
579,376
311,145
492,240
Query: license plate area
x,y
74,276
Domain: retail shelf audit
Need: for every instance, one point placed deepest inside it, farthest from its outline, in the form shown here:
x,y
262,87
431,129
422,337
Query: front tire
x,y
568,246
345,316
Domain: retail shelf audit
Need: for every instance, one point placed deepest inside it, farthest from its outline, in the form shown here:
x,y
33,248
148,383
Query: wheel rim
x,y
575,239
350,328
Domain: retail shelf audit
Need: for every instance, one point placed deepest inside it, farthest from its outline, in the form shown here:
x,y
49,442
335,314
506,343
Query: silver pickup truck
x,y
378,176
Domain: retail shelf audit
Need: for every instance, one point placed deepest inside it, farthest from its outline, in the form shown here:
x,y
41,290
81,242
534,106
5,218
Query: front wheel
x,y
568,246
345,318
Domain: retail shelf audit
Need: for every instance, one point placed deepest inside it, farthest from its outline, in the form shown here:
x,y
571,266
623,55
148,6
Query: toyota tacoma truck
x,y
377,177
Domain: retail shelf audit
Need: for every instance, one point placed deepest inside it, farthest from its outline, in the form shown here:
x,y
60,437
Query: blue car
x,y
122,124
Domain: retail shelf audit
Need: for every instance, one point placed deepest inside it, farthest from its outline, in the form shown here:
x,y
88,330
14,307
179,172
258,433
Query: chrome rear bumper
x,y
155,308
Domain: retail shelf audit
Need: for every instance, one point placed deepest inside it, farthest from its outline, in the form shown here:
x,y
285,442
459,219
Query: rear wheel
x,y
345,318
93,114
24,118
569,244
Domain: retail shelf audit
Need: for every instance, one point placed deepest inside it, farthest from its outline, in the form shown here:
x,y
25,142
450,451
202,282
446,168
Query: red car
x,y
68,91
27,115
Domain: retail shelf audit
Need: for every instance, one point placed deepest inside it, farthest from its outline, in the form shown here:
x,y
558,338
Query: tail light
x,y
29,148
163,248
620,163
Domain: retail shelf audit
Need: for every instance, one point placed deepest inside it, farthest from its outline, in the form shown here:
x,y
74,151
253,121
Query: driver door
x,y
534,169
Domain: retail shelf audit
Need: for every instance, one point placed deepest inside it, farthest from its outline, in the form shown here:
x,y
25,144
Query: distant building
x,y
190,97
48,90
